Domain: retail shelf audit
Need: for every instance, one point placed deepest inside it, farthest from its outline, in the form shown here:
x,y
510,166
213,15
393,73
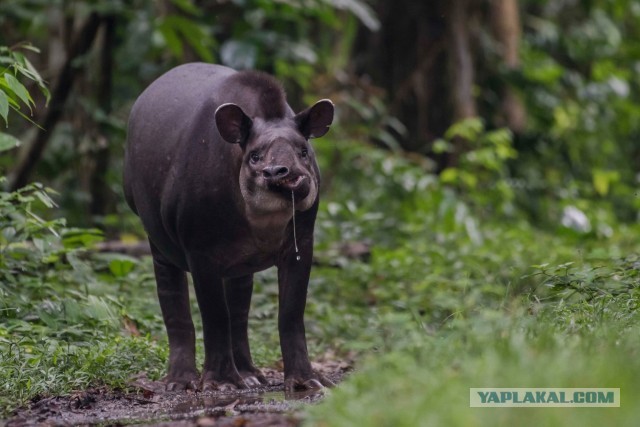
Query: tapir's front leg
x,y
293,281
219,370
238,293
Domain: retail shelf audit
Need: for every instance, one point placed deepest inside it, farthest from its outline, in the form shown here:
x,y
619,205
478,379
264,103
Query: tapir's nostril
x,y
275,172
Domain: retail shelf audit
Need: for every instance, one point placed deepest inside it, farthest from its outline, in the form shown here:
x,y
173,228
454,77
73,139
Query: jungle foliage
x,y
464,239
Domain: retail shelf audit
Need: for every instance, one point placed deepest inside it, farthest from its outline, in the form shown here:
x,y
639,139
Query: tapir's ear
x,y
314,122
233,124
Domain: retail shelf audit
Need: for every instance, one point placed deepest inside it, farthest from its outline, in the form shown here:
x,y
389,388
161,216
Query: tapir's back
x,y
171,141
168,109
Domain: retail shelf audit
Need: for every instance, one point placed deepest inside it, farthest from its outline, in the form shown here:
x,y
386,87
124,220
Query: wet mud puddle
x,y
264,406
274,401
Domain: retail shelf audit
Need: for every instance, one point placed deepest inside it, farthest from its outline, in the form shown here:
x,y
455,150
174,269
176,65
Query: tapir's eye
x,y
304,153
255,157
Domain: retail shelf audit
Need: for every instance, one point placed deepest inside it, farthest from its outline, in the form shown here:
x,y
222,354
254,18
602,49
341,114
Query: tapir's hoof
x,y
179,385
226,383
316,382
186,381
222,386
253,381
254,378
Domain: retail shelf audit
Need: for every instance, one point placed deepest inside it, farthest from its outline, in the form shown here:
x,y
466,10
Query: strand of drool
x,y
295,240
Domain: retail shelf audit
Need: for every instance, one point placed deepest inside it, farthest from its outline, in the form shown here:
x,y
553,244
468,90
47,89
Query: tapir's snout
x,y
275,173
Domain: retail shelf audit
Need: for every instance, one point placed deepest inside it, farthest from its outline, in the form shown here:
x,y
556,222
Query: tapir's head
x,y
277,160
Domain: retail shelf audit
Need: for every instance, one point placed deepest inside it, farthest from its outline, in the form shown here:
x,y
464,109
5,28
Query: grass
x,y
455,293
426,382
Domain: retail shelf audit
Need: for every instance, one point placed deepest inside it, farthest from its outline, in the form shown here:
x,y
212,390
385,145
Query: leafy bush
x,y
64,309
12,91
582,98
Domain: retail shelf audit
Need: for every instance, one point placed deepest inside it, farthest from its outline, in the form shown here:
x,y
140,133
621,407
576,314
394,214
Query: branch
x,y
137,249
61,89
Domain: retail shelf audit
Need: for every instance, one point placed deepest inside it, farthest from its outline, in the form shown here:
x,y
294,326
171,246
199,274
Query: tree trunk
x,y
461,61
407,58
98,182
505,23
462,71
81,44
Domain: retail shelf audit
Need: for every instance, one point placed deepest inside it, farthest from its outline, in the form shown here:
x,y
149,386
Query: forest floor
x,y
145,404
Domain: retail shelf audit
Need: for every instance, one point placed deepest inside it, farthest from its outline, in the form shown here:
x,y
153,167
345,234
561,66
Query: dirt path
x,y
265,406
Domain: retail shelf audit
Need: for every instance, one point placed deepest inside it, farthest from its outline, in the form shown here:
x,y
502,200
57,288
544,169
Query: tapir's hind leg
x,y
173,293
238,294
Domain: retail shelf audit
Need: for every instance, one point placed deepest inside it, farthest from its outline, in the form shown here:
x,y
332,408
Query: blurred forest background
x,y
480,208
561,77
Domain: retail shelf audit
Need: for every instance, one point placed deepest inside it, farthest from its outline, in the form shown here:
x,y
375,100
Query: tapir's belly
x,y
250,266
233,256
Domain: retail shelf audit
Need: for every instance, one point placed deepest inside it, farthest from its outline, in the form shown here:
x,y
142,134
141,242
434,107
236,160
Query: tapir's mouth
x,y
291,182
298,184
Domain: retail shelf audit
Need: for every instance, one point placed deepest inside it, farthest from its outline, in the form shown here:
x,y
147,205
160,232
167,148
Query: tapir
x,y
220,171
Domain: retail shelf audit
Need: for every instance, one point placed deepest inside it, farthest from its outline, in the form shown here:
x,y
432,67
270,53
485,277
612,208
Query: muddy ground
x,y
143,404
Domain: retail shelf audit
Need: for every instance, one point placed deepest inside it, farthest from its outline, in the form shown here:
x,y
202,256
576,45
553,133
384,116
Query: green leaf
x,y
468,129
187,6
441,146
29,71
4,106
195,36
19,89
8,142
29,46
602,180
121,266
449,175
81,238
46,199
171,38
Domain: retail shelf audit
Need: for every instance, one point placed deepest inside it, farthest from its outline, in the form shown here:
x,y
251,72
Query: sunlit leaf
x,y
441,146
468,129
449,175
8,142
79,238
122,266
30,72
602,180
19,89
46,199
4,106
